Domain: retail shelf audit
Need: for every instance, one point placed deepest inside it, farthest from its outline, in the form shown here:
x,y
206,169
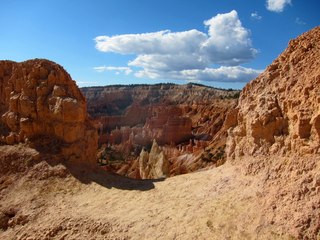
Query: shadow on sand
x,y
49,149
87,175
12,156
111,180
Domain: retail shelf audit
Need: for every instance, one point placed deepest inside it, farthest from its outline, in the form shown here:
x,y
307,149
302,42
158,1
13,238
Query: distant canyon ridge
x,y
162,130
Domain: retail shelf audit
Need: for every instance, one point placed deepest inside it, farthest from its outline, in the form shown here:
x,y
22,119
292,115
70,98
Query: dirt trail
x,y
46,201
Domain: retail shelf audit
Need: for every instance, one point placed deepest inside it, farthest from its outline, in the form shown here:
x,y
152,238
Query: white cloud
x,y
189,54
228,43
221,74
255,16
167,62
299,21
277,5
162,42
126,70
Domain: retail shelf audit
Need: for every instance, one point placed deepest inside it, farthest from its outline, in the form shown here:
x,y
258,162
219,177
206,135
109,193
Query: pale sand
x,y
221,203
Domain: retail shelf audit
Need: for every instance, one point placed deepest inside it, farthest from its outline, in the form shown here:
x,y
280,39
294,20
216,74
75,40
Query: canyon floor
x,y
49,201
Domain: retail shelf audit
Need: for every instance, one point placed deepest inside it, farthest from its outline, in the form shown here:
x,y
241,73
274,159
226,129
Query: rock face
x,y
153,165
279,112
187,121
168,125
41,104
275,138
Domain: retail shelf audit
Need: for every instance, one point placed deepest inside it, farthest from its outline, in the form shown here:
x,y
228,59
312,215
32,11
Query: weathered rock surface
x,y
185,120
153,165
168,125
41,104
117,100
274,137
279,112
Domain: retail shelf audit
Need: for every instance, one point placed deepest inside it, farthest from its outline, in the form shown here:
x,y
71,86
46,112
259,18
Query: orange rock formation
x,y
41,104
276,137
279,111
187,121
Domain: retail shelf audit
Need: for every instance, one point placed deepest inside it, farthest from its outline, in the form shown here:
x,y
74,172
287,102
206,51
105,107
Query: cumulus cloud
x,y
255,16
126,70
228,42
277,5
189,54
162,42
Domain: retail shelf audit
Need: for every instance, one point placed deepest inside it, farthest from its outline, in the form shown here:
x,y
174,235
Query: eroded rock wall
x,y
279,112
187,121
41,104
274,137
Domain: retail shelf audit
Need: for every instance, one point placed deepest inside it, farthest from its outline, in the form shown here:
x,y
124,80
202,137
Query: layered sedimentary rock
x,y
117,100
168,125
279,112
187,121
40,104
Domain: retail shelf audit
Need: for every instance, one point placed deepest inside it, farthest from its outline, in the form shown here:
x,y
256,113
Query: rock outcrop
x,y
274,137
187,121
279,112
168,125
120,100
153,165
40,104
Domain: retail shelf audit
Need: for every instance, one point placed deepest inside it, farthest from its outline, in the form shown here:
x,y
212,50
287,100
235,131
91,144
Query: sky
x,y
220,43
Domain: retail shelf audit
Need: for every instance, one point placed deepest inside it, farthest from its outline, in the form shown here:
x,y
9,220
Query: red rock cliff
x,y
187,121
41,104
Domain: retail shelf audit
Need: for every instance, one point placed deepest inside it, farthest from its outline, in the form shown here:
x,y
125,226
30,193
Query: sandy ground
x,y
50,203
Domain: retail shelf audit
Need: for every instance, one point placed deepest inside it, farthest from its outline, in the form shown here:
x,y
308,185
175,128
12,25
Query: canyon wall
x,y
279,112
41,105
186,121
275,137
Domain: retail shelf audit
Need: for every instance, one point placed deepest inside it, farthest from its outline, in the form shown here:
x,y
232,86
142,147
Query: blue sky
x,y
222,43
